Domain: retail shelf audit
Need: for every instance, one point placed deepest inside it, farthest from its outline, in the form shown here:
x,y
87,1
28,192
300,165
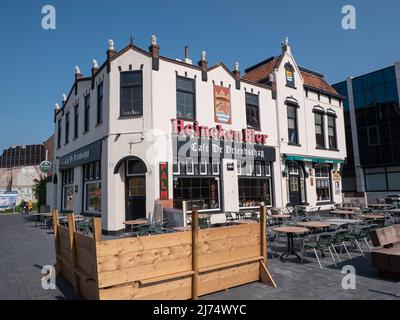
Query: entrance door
x,y
294,189
136,197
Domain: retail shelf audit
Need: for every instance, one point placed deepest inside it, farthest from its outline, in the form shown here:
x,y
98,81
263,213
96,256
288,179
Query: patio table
x,y
342,222
245,221
182,229
343,213
314,224
133,223
280,216
371,216
290,232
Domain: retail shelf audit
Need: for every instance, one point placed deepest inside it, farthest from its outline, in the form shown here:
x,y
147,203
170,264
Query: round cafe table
x,y
280,216
371,216
343,213
136,222
314,224
290,232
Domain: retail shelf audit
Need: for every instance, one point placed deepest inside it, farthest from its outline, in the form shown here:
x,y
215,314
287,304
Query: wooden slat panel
x,y
65,253
171,290
207,247
63,236
87,288
86,260
231,264
117,277
84,241
242,230
132,259
120,246
228,278
220,257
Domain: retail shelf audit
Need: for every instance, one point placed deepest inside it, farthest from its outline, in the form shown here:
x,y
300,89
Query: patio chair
x,y
271,237
203,223
323,243
254,216
229,217
84,227
338,240
359,234
143,230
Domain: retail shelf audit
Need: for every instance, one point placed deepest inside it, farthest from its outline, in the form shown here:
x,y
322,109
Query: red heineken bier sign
x,y
217,133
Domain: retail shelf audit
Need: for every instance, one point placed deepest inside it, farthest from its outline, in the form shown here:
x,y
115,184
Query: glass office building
x,y
372,124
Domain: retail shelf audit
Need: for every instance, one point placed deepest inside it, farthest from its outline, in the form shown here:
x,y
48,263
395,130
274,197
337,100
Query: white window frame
x,y
239,167
322,177
203,163
267,165
248,169
191,162
258,169
178,163
216,163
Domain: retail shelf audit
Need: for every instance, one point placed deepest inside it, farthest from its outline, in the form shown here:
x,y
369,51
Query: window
x,y
292,124
68,189
185,98
293,167
67,128
253,191
100,103
267,169
252,111
332,132
249,169
176,167
373,137
189,166
289,75
131,97
203,166
215,166
319,130
87,112
200,193
239,167
258,169
76,121
92,185
323,184
59,129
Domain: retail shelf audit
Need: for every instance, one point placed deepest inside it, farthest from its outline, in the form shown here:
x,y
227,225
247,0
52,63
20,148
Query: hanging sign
x,y
164,190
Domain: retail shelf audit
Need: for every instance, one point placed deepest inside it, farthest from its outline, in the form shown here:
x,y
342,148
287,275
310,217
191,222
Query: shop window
x,y
215,166
203,166
176,167
253,191
185,98
249,168
131,96
319,130
292,124
199,193
239,167
92,187
376,182
252,111
68,189
189,166
258,169
293,167
323,183
267,169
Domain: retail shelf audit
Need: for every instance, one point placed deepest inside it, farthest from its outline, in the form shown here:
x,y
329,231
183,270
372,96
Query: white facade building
x,y
242,140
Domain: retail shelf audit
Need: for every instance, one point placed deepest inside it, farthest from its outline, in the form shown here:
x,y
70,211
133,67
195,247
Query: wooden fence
x,y
181,265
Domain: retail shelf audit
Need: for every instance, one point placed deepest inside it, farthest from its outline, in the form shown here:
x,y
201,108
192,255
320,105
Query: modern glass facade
x,y
377,123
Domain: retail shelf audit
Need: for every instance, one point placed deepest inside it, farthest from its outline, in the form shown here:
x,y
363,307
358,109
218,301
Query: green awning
x,y
312,159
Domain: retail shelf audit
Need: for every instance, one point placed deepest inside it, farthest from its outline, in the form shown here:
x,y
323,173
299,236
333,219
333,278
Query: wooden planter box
x,y
181,265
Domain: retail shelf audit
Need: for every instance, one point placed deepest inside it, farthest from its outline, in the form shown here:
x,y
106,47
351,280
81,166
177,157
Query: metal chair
x,y
360,234
323,243
339,239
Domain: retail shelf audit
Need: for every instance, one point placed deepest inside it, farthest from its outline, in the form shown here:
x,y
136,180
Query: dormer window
x,y
289,75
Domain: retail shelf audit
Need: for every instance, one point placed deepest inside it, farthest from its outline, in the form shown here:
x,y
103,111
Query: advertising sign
x,y
222,105
8,200
164,190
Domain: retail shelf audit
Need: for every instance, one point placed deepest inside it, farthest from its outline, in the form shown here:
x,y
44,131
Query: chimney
x,y
155,53
203,66
110,54
236,73
78,74
95,67
187,60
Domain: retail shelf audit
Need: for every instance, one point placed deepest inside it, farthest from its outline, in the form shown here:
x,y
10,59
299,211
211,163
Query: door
x,y
135,197
294,189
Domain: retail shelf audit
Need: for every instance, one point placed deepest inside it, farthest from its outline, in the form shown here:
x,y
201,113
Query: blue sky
x,y
38,65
